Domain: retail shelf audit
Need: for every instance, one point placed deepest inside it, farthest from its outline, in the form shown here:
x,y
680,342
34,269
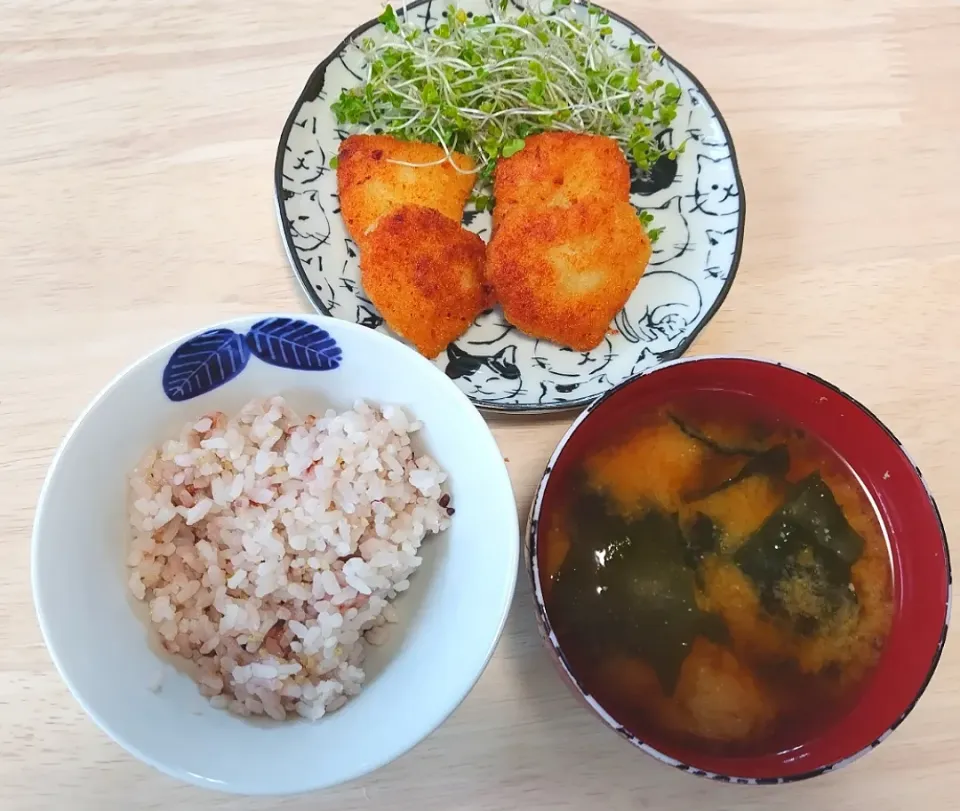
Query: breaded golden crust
x,y
563,273
424,273
370,185
558,168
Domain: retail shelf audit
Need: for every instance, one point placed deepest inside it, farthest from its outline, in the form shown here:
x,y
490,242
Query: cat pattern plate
x,y
698,200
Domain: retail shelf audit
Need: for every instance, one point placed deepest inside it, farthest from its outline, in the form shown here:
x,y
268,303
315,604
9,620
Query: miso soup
x,y
717,577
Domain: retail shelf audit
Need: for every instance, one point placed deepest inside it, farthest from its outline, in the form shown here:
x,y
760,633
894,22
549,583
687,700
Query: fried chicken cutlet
x,y
424,273
370,185
563,273
558,168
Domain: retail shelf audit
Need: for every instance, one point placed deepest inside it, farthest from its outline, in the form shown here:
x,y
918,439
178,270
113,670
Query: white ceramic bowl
x,y
450,619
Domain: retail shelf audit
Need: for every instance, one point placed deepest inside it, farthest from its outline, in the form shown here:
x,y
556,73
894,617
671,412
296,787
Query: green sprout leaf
x,y
482,202
511,148
389,20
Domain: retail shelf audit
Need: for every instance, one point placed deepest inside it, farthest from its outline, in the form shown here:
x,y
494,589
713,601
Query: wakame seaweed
x,y
807,541
718,447
628,584
772,463
702,538
729,624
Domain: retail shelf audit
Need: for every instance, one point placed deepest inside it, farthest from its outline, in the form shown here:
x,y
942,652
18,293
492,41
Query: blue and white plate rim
x,y
314,84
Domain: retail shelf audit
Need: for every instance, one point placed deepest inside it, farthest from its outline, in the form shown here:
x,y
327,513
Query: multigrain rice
x,y
268,548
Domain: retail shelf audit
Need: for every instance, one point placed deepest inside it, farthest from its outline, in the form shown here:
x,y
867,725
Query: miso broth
x,y
718,577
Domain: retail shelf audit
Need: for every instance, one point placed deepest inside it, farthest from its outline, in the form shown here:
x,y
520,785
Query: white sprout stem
x,y
449,160
437,162
579,85
561,64
501,26
567,24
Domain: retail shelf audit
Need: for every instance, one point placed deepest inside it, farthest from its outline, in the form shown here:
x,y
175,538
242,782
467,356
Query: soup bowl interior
x,y
449,620
907,512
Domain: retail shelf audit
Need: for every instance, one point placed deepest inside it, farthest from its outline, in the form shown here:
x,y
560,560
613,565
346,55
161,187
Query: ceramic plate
x,y
698,200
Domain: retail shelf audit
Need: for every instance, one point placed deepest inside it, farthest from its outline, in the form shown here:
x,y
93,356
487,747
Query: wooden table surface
x,y
136,152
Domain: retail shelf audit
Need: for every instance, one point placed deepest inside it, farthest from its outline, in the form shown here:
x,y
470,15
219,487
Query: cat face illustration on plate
x,y
484,368
723,245
569,372
715,193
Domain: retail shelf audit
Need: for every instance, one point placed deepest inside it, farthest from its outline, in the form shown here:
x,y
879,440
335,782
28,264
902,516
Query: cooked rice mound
x,y
269,547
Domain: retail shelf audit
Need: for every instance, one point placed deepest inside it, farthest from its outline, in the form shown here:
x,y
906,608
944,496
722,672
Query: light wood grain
x,y
136,149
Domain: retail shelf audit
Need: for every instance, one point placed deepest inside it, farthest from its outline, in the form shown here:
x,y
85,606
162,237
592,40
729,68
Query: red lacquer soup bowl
x,y
917,544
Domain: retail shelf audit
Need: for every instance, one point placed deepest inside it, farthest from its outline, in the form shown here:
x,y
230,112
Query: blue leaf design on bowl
x,y
294,344
203,363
